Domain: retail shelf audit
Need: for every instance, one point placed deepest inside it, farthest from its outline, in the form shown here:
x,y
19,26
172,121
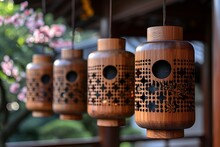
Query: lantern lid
x,y
162,33
41,58
111,43
71,53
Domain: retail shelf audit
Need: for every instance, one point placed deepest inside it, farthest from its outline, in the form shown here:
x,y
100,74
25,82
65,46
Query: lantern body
x,y
164,83
111,83
70,85
39,81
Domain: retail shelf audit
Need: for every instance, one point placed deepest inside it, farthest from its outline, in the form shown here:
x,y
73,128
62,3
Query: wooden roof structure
x,y
132,17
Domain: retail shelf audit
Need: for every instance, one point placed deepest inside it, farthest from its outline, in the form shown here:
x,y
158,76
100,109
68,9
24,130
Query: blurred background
x,y
25,29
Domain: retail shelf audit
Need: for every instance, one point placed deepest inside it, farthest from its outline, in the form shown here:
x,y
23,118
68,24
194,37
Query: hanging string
x,y
110,19
164,12
44,7
44,13
73,23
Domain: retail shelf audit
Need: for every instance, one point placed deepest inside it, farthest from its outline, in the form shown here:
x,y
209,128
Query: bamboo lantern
x,y
39,83
164,83
111,83
70,85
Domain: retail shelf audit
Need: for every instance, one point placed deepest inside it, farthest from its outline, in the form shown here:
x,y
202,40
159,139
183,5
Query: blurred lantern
x,y
39,80
164,83
111,83
70,80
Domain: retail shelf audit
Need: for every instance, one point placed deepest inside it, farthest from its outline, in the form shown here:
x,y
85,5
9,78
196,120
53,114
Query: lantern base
x,y
110,122
70,117
165,134
41,114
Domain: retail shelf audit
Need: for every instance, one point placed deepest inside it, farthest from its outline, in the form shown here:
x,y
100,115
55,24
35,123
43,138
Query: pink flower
x,y
40,36
7,65
1,20
34,21
8,20
17,20
9,68
14,88
57,30
28,12
23,5
58,44
22,94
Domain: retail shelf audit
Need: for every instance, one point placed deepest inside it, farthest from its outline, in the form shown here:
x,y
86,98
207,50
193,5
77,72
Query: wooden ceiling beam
x,y
55,4
131,8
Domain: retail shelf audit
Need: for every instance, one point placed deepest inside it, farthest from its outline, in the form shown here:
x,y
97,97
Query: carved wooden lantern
x,y
111,83
164,83
39,81
70,85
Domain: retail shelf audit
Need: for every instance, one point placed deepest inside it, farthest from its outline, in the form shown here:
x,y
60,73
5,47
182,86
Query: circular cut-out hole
x,y
110,72
71,76
161,69
45,79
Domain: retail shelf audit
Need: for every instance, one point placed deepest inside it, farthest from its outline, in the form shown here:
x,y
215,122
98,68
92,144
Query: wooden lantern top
x,y
161,33
41,58
71,53
111,43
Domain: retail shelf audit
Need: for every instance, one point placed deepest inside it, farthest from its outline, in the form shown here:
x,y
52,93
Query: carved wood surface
x,y
164,84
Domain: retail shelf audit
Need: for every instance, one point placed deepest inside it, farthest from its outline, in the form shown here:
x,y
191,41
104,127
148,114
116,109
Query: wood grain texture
x,y
216,73
70,85
164,86
164,33
39,81
111,83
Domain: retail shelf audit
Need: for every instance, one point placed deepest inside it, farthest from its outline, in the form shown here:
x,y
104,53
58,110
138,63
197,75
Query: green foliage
x,y
128,129
126,144
13,43
59,129
8,8
90,124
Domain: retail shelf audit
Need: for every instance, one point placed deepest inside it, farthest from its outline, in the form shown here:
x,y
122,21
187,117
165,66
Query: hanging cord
x,y
164,12
73,23
44,13
44,7
110,19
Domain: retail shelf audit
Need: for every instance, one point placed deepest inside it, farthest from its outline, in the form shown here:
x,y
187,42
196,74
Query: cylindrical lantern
x,y
70,85
164,83
39,81
111,83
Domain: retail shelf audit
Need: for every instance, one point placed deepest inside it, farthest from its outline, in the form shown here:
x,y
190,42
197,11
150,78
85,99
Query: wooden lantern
x,y
39,81
111,83
164,83
70,85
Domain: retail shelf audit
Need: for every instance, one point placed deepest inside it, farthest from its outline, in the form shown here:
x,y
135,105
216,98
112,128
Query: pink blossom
x,y
57,30
45,30
45,34
17,20
40,35
23,5
16,74
22,94
14,88
8,20
6,58
7,65
58,44
34,21
9,68
1,20
28,12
